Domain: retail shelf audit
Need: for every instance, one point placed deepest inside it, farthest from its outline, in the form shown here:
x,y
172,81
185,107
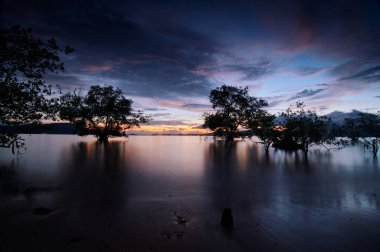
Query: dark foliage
x,y
303,128
234,106
365,129
103,112
24,60
263,126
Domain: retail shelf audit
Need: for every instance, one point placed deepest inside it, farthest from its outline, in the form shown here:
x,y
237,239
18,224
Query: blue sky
x,y
168,55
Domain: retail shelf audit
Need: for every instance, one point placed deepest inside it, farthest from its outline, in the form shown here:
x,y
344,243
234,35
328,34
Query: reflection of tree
x,y
9,184
281,180
16,183
233,183
95,177
219,169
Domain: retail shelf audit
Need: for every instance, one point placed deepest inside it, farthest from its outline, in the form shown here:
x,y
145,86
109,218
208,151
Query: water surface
x,y
167,193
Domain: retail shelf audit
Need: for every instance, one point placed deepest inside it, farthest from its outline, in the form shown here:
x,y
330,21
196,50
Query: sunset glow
x,y
169,130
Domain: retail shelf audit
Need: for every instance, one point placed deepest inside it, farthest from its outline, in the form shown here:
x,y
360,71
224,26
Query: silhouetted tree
x,y
24,60
103,112
365,129
234,106
302,128
263,126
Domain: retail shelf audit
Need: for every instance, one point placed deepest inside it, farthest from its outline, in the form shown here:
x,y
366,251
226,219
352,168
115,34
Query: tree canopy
x,y
263,126
103,112
234,106
365,129
24,61
302,128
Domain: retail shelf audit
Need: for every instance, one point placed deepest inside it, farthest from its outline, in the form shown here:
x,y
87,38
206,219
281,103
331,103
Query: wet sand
x,y
167,194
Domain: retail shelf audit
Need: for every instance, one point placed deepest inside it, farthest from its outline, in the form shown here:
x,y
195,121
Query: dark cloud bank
x,y
168,49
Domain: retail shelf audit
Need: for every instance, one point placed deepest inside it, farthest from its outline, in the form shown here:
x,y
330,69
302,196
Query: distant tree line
x,y
297,128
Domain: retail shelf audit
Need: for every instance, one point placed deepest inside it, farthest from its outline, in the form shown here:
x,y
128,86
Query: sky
x,y
167,55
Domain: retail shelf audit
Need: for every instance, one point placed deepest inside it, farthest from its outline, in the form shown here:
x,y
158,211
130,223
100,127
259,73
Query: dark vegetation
x,y
365,129
234,107
297,128
303,128
24,61
25,98
104,111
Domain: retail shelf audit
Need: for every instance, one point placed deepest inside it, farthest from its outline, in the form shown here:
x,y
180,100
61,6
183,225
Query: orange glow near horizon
x,y
190,129
168,129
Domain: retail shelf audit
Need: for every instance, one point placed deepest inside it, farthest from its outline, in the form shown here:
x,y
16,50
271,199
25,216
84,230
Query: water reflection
x,y
94,177
137,185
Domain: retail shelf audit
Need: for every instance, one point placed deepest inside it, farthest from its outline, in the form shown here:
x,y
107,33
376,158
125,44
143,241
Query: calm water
x,y
130,195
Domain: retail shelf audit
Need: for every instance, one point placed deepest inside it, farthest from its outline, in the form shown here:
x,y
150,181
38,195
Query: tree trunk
x,y
375,148
305,150
230,137
103,137
267,148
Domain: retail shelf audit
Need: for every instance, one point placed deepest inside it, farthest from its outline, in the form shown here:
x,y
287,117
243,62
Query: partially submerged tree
x,y
303,128
263,126
364,129
103,112
24,61
234,106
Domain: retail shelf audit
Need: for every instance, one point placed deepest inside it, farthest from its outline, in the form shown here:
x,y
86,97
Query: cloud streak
x,y
370,74
305,93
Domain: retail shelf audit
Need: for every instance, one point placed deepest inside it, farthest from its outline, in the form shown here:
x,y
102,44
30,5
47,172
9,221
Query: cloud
x,y
197,127
275,100
196,106
167,122
154,109
244,71
160,114
322,85
331,28
305,71
306,93
168,129
98,68
147,58
252,71
67,81
178,51
370,74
